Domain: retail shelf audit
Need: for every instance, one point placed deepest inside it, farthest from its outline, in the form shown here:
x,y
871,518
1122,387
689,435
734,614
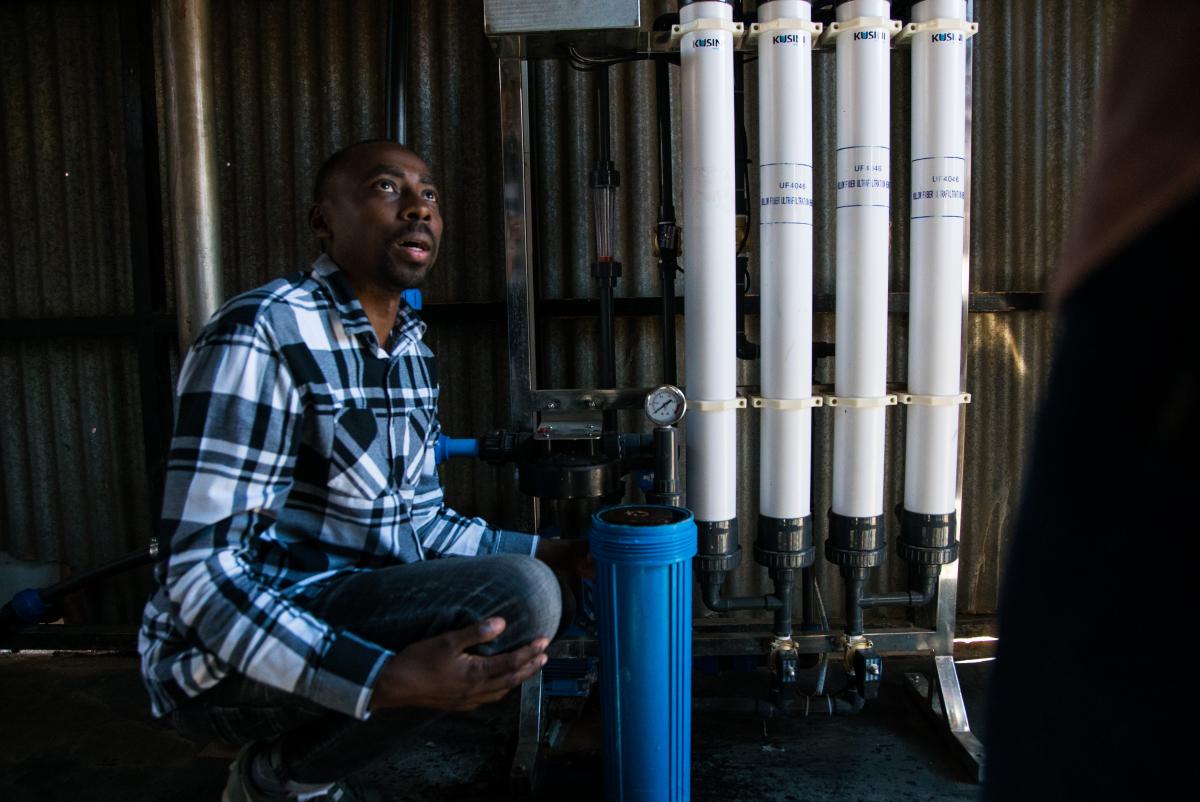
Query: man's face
x,y
379,219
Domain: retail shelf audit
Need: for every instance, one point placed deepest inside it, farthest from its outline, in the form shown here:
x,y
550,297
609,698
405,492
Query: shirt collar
x,y
354,318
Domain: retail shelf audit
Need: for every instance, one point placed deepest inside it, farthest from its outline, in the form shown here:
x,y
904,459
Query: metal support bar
x,y
518,270
529,738
518,259
192,163
713,637
944,703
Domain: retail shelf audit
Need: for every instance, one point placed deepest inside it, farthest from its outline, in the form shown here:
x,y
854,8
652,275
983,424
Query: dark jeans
x,y
393,607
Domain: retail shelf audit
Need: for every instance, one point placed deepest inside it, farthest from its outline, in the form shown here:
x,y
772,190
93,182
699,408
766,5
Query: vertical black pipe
x,y
745,348
785,582
667,232
399,22
603,137
603,176
608,367
855,580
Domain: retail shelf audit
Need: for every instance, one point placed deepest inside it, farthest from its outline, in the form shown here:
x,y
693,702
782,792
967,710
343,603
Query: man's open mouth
x,y
416,247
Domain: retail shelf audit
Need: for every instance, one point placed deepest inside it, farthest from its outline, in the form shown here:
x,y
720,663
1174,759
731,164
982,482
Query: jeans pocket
x,y
238,726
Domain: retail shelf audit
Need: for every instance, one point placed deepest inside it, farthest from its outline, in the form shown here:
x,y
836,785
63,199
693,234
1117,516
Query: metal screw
x,y
553,403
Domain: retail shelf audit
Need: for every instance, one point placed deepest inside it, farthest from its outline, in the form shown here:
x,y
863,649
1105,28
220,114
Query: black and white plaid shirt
x,y
302,450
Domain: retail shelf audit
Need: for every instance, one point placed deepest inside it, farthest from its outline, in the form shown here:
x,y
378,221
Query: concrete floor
x,y
77,727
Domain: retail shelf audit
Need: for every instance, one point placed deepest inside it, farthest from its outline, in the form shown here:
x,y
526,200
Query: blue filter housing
x,y
643,559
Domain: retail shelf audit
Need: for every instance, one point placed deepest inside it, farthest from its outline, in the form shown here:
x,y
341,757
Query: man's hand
x,y
438,673
570,556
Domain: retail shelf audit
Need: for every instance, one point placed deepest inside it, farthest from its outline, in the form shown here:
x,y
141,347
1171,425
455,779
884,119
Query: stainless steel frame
x,y
934,629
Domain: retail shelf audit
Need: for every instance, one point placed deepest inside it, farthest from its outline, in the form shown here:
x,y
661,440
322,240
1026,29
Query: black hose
x,y
76,582
40,606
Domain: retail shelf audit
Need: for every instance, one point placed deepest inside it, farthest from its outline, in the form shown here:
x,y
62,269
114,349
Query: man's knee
x,y
528,597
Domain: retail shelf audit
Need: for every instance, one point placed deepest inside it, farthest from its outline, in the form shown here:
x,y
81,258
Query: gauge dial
x,y
665,405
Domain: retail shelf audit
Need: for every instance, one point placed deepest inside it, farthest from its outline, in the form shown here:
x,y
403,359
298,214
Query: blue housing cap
x,y
643,533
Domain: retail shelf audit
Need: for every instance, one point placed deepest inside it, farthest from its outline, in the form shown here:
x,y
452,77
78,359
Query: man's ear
x,y
318,223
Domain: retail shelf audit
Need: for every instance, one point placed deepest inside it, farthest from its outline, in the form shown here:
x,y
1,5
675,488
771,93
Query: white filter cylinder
x,y
938,210
863,185
786,259
709,255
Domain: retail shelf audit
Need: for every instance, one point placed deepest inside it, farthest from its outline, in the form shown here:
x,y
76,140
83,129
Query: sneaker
x,y
239,787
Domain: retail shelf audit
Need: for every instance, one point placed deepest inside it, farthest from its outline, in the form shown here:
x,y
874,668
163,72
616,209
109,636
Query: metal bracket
x,y
579,400
784,24
835,29
968,29
944,703
529,738
716,406
786,403
912,399
850,402
706,24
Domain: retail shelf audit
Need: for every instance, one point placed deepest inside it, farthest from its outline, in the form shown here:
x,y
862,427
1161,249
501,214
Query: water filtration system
x,y
565,444
572,460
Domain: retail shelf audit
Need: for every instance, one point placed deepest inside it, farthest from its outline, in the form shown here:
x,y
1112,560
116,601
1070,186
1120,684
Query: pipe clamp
x,y
850,402
784,24
912,399
968,29
786,403
738,30
716,406
835,29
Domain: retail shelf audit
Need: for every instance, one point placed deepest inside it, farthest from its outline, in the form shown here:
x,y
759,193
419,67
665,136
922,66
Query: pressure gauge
x,y
665,405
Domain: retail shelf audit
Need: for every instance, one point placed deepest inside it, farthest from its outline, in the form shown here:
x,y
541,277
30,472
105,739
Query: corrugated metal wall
x,y
296,80
73,485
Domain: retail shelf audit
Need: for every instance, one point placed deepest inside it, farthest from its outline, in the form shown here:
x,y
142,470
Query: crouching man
x,y
303,611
